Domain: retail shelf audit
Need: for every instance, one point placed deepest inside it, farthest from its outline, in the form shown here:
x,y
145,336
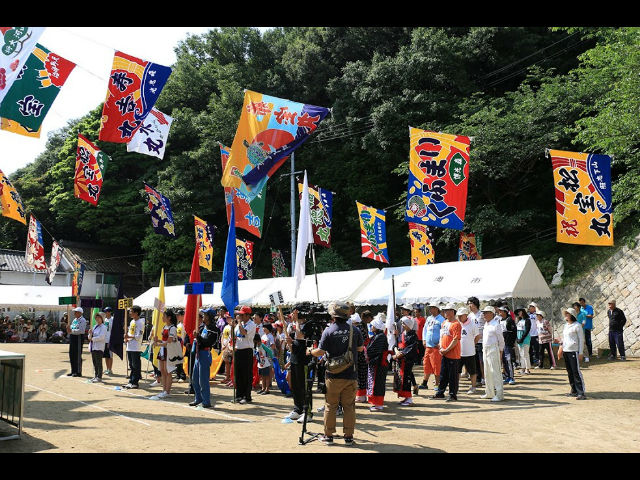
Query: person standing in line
x,y
341,384
245,330
76,330
470,335
377,364
546,336
204,339
492,348
478,318
432,359
587,324
133,339
263,356
227,351
617,320
534,343
108,356
180,374
524,339
420,321
406,353
509,331
97,339
170,353
450,337
361,393
571,349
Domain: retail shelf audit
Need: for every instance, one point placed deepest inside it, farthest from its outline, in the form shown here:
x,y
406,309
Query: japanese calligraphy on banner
x,y
34,91
249,213
422,251
10,202
278,267
14,127
204,240
34,255
160,211
151,137
269,130
244,255
321,207
91,164
134,87
78,277
373,233
583,198
438,178
56,256
16,44
468,249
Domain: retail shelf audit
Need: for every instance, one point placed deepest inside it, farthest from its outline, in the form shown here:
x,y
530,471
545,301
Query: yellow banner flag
x,y
204,240
14,127
10,202
157,321
422,252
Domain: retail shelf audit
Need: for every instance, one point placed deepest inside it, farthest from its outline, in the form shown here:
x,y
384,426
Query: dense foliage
x,y
516,91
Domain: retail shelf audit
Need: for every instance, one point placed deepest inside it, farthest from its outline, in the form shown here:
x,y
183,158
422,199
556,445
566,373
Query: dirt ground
x,y
64,414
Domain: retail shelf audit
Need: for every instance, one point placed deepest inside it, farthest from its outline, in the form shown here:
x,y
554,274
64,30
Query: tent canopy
x,y
30,296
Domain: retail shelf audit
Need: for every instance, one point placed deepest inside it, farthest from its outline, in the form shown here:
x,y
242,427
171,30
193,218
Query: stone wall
x,y
618,278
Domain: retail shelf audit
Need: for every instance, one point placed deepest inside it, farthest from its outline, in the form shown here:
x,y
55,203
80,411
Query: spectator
x,y
510,332
546,335
432,359
617,321
470,335
450,336
97,342
534,344
571,349
524,339
42,333
263,355
492,348
587,324
406,353
377,364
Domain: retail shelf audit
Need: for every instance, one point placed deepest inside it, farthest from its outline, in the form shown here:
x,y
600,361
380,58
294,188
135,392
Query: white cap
x,y
533,304
408,321
78,309
503,308
407,306
462,311
449,306
378,323
541,313
571,311
489,308
434,305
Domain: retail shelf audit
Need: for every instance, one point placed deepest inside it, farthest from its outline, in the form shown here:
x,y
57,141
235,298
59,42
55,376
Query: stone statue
x,y
557,278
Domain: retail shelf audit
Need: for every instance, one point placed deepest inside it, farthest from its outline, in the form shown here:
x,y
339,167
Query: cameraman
x,y
298,360
341,387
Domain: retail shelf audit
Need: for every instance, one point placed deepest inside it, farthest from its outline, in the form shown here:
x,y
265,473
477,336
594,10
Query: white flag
x,y
391,319
151,137
56,255
305,235
16,44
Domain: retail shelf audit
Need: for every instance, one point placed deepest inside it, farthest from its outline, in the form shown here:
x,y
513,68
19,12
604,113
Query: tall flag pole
x,y
305,236
391,315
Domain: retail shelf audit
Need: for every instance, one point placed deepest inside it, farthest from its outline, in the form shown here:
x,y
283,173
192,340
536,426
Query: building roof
x,y
102,259
13,261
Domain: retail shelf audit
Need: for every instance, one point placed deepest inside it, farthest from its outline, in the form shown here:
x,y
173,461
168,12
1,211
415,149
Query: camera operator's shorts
x,y
432,361
107,352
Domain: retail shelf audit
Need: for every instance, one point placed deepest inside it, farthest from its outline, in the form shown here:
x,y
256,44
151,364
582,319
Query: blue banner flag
x,y
160,210
229,292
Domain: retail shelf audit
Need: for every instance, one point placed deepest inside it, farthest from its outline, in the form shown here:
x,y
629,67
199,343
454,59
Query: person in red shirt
x,y
420,320
450,334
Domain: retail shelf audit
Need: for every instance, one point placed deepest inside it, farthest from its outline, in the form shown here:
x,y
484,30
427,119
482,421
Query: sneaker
x,y
482,382
581,397
471,391
586,359
407,403
512,382
108,372
484,396
242,401
361,399
261,392
70,374
320,409
301,419
163,395
130,385
424,386
437,396
571,394
348,441
623,358
293,415
497,399
326,439
611,357
552,367
155,384
156,397
375,408
451,399
537,367
94,380
193,404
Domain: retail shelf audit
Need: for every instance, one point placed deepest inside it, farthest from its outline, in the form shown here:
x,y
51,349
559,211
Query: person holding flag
x,y
108,357
203,339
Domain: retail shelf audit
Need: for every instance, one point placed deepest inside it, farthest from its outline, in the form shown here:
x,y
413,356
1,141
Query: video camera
x,y
316,319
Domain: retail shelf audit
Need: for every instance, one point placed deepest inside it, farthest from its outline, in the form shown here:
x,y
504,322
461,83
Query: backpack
x,y
342,362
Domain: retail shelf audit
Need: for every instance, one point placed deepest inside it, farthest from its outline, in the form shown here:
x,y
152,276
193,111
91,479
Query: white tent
x,y
516,277
30,296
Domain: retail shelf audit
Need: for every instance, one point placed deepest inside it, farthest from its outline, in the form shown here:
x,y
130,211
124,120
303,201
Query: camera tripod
x,y
310,374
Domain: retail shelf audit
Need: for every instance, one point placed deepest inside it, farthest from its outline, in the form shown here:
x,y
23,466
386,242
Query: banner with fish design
x,y
244,255
373,233
160,211
321,210
278,267
204,241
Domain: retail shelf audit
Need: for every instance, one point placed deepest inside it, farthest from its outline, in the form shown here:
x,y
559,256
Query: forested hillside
x,y
516,91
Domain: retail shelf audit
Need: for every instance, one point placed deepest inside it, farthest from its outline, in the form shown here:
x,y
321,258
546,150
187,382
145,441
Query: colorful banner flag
x,y
249,213
193,301
269,130
134,87
11,204
204,242
156,320
244,252
34,255
160,211
278,267
151,137
373,233
438,179
16,44
422,251
56,256
583,198
36,88
229,289
14,127
91,164
468,249
321,204
78,277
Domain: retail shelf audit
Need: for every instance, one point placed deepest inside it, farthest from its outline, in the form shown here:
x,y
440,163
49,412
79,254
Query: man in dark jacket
x,y
616,324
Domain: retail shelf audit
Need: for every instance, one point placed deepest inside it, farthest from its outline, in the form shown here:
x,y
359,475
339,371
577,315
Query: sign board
x,y
276,298
66,300
91,303
158,305
125,303
199,288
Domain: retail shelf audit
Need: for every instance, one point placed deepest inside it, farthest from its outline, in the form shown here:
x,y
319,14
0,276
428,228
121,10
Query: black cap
x,y
108,309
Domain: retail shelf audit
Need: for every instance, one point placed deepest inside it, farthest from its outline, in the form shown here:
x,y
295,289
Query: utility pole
x,y
293,213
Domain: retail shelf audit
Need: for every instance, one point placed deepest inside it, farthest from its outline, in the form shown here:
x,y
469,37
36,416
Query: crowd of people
x,y
24,330
350,357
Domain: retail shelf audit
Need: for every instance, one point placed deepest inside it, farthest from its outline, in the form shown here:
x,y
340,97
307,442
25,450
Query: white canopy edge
x,y
29,296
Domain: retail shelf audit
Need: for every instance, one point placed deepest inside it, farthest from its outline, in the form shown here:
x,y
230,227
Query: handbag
x,y
342,362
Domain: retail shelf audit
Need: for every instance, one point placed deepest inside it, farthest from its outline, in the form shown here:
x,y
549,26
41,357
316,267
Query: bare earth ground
x,y
64,414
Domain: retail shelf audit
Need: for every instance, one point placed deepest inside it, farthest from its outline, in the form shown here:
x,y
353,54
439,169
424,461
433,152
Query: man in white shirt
x,y
133,339
108,356
470,334
492,348
244,331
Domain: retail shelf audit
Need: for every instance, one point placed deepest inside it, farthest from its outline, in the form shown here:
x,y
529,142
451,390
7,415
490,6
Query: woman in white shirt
x,y
571,349
170,352
97,338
